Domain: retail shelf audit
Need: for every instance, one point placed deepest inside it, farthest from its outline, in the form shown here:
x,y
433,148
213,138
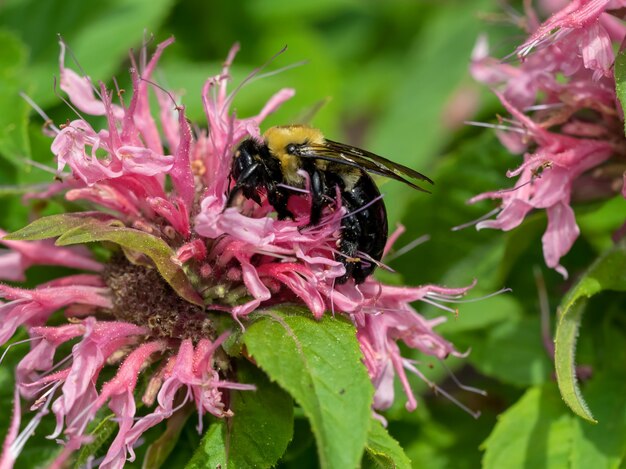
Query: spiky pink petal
x,y
8,457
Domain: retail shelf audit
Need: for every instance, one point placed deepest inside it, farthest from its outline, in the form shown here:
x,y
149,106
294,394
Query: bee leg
x,y
247,183
278,198
318,190
349,247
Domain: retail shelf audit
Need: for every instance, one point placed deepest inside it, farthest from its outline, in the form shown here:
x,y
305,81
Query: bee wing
x,y
370,162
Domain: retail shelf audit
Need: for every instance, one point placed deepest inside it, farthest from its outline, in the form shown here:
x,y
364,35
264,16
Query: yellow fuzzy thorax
x,y
279,137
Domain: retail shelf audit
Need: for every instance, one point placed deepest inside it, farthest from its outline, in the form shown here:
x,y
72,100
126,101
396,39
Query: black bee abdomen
x,y
364,230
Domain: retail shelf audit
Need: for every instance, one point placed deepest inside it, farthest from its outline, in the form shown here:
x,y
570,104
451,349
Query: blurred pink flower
x,y
235,259
563,107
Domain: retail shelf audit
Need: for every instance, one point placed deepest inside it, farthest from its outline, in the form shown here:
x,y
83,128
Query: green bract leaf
x,y
620,78
55,225
78,228
319,364
607,273
383,451
535,432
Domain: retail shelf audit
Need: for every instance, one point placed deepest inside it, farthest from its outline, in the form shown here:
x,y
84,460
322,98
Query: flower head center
x,y
141,296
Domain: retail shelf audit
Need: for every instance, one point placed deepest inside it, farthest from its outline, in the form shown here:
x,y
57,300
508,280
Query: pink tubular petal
x,y
195,249
139,160
70,147
175,213
123,405
393,237
597,51
7,459
81,90
577,14
560,235
126,376
181,175
251,126
32,307
212,222
12,266
105,196
142,116
510,217
46,253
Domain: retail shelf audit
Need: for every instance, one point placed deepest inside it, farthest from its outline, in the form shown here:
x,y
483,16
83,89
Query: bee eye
x,y
291,148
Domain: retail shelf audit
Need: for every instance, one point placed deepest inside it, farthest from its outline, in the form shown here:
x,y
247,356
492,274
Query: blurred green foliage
x,y
392,77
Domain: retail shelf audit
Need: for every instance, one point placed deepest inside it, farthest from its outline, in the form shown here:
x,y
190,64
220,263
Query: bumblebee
x,y
276,163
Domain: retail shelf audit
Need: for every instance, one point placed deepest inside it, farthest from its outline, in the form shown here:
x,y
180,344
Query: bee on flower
x,y
180,259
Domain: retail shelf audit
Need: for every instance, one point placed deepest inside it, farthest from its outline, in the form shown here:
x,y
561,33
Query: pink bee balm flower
x,y
566,73
150,311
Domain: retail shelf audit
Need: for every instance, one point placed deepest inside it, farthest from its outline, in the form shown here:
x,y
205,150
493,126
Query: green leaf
x,y
564,360
620,78
383,451
535,432
212,450
262,426
598,221
14,142
54,225
320,364
512,352
607,273
259,432
602,445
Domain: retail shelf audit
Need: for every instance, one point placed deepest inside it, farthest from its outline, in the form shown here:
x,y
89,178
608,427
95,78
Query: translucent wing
x,y
370,162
